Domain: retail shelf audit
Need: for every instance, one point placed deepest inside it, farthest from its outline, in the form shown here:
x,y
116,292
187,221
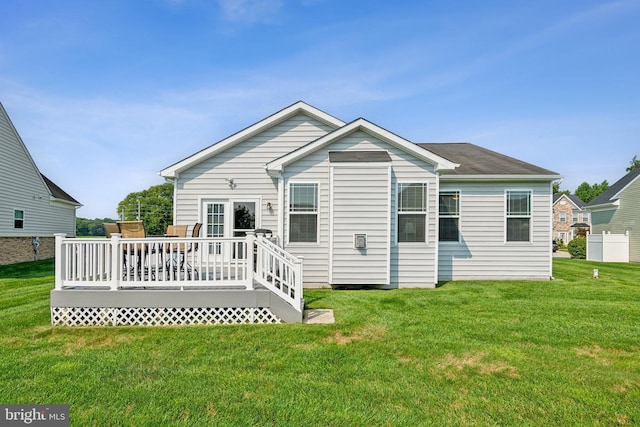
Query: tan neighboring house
x,y
32,207
570,216
616,211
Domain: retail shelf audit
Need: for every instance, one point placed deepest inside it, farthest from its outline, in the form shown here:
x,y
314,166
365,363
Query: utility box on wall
x,y
360,241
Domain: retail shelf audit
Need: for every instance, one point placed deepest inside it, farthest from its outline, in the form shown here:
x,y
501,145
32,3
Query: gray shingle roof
x,y
607,195
476,160
58,192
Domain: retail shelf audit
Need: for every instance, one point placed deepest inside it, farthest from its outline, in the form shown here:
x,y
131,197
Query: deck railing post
x,y
298,281
250,241
116,261
59,259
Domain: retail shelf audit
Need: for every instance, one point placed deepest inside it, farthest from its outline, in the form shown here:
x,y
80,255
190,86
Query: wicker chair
x,y
134,230
110,228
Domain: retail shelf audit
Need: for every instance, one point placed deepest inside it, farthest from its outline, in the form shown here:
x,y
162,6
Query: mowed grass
x,y
561,352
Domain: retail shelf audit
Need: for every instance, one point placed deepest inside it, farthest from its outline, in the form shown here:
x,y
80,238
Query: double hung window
x,y
18,219
449,212
303,212
518,216
412,212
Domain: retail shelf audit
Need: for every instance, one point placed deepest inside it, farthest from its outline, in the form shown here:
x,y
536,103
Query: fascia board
x,y
299,107
364,125
499,177
604,206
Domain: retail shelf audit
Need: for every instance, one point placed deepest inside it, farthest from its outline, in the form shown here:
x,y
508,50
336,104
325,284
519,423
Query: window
x,y
412,212
449,208
575,216
303,212
563,217
18,219
518,216
585,216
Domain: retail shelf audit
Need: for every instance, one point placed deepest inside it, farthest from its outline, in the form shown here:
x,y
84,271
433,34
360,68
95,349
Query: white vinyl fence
x,y
608,247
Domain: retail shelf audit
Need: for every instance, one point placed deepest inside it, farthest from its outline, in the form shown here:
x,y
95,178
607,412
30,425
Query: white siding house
x,y
31,205
364,206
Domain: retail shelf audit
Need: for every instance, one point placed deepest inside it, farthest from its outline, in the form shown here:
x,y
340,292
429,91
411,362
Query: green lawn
x,y
564,352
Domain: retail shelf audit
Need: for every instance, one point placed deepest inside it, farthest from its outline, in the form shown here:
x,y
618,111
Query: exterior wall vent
x,y
360,241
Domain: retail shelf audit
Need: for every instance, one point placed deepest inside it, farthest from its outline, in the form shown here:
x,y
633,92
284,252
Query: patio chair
x,y
184,250
175,251
193,247
133,230
110,228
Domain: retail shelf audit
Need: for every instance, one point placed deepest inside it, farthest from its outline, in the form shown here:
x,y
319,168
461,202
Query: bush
x,y
578,247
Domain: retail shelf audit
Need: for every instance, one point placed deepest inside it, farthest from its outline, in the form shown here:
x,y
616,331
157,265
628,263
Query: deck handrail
x,y
279,271
168,263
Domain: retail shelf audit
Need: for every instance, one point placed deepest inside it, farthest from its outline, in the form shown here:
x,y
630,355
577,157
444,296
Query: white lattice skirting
x,y
160,316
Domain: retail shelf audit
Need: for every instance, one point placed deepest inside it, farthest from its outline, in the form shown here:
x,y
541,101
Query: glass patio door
x,y
244,219
229,218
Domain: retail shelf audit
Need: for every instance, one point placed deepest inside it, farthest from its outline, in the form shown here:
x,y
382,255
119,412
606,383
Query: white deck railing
x,y
279,271
177,263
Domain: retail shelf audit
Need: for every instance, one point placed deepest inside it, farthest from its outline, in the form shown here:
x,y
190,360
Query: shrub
x,y
578,247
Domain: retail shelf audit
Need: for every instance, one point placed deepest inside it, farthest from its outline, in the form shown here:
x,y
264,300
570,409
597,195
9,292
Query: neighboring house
x,y
569,216
365,206
616,211
31,205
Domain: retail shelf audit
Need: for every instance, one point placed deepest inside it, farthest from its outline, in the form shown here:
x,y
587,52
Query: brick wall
x,y
20,249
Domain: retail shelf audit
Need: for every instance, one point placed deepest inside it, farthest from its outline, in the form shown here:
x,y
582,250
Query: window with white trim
x,y
575,216
18,218
518,215
412,212
563,217
449,213
585,216
303,212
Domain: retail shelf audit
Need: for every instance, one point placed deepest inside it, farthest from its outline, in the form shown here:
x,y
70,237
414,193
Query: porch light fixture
x,y
230,182
269,205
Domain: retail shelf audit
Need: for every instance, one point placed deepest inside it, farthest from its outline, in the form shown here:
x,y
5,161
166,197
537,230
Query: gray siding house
x,y
31,205
365,206
616,211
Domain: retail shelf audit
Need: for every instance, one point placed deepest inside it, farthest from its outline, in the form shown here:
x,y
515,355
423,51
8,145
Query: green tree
x,y
587,192
91,227
556,188
154,206
634,163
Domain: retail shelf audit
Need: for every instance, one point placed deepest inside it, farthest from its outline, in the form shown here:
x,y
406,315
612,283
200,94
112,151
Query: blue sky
x,y
107,93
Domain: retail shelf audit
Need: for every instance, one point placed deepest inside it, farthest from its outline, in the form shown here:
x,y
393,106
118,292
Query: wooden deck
x,y
160,282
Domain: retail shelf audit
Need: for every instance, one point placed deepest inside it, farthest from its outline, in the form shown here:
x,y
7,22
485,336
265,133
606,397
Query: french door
x,y
229,218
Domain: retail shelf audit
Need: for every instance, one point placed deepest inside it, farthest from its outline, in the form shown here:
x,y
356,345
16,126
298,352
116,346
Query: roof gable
x,y
571,198
611,194
361,124
264,124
